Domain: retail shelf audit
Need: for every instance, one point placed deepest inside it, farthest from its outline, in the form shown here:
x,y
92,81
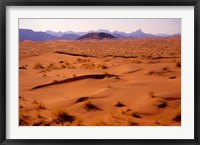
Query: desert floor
x,y
125,82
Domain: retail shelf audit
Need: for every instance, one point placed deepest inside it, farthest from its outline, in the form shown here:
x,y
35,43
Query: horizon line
x,y
98,30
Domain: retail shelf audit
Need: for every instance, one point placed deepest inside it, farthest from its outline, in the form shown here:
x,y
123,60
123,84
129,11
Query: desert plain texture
x,y
118,82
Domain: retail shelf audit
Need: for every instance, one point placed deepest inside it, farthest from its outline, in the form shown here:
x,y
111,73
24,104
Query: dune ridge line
x,y
84,55
72,54
77,78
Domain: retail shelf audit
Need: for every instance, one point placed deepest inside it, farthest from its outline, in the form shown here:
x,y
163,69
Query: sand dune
x,y
90,84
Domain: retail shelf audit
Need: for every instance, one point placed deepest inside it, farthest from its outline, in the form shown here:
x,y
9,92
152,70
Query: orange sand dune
x,y
145,89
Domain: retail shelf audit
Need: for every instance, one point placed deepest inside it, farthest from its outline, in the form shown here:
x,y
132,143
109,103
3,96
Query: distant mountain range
x,y
28,34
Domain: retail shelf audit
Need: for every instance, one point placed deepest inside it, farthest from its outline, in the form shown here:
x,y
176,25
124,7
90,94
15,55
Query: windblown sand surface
x,y
107,82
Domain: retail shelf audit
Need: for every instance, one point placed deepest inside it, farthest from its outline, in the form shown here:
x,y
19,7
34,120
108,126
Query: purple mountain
x,y
96,35
27,34
140,34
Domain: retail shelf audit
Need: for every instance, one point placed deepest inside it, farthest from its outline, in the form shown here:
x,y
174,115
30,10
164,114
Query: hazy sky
x,y
153,26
